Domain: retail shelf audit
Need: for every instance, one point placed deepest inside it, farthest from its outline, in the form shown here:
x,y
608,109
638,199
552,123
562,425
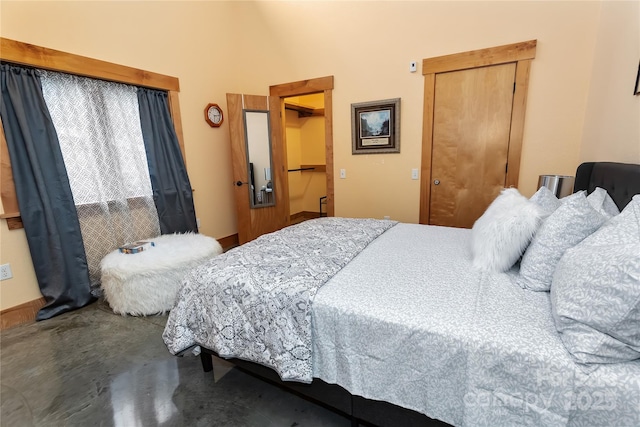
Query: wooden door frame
x,y
306,87
520,53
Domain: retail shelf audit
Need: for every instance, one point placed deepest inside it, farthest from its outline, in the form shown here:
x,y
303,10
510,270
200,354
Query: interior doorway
x,y
304,126
312,98
263,207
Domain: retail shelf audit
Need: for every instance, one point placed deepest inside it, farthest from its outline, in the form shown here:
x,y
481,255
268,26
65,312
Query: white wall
x,y
612,120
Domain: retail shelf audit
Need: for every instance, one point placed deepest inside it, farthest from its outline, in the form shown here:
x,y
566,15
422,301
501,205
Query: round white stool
x,y
147,282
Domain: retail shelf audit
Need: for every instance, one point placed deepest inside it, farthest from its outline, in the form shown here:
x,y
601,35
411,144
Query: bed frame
x,y
358,409
621,181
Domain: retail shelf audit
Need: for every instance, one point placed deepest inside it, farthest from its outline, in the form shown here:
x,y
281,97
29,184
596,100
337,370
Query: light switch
x,y
414,174
343,173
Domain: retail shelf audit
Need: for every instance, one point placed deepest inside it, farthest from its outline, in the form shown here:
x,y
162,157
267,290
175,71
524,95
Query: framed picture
x,y
636,91
375,127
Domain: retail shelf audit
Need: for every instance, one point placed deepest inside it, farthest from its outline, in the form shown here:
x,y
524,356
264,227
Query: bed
x,y
394,324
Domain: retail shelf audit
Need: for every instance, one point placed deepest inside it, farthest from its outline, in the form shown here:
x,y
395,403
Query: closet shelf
x,y
304,111
314,168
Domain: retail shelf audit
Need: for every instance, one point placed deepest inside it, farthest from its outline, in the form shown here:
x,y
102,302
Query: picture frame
x,y
375,127
636,91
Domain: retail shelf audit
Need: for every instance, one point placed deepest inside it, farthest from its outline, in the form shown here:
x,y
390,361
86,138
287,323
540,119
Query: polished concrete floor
x,y
91,367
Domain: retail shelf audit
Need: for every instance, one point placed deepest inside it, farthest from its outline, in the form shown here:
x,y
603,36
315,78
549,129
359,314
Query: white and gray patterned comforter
x,y
254,302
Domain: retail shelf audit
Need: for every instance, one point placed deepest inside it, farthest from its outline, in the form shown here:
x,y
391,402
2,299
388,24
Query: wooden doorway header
x,y
480,58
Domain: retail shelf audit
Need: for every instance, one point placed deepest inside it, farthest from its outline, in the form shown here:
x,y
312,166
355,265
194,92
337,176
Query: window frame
x,y
20,53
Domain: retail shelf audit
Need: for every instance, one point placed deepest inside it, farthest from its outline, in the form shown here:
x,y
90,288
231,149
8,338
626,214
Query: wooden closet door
x,y
471,127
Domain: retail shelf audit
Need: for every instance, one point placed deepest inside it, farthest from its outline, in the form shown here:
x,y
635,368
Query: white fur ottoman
x,y
147,282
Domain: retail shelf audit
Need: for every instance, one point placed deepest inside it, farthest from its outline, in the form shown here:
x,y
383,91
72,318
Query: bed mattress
x,y
407,320
411,322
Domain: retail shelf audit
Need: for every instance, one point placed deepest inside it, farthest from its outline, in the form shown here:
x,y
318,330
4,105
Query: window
x,y
98,127
50,59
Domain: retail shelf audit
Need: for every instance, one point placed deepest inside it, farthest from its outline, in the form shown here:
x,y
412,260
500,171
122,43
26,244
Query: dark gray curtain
x,y
44,196
169,180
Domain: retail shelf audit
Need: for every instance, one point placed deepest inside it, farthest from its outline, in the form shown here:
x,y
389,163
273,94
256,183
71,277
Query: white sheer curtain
x,y
98,125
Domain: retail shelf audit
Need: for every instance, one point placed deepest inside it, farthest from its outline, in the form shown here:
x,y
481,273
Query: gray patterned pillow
x,y
567,226
546,200
603,203
595,297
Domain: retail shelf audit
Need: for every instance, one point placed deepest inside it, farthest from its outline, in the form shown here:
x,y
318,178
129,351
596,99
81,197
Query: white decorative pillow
x,y
603,203
595,297
574,220
502,233
546,200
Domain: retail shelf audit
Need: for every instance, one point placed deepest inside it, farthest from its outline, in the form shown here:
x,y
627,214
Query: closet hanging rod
x,y
301,169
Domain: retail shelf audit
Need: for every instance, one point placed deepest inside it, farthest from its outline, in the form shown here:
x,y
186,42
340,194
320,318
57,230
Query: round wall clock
x,y
213,115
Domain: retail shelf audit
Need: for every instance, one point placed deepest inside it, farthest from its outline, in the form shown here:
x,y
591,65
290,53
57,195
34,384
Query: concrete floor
x,y
92,367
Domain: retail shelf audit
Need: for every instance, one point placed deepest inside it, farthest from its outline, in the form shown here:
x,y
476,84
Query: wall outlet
x,y
5,272
386,217
198,223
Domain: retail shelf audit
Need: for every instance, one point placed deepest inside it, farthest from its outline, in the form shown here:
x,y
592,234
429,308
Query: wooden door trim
x,y
517,122
279,158
302,87
427,145
328,147
520,53
306,87
480,58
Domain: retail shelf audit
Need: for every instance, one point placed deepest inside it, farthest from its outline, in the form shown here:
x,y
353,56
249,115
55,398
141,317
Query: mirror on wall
x,y
259,164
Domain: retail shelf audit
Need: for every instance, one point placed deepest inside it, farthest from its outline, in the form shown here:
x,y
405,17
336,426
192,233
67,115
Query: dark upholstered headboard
x,y
621,180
